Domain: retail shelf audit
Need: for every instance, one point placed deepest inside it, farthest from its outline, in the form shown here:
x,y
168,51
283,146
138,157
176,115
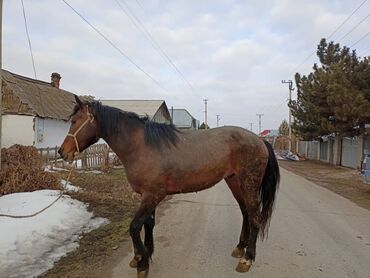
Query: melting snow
x,y
30,246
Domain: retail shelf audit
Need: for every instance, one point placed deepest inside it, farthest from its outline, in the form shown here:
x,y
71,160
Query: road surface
x,y
313,233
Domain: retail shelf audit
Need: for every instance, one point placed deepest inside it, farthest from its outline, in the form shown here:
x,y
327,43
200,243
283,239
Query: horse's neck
x,y
124,144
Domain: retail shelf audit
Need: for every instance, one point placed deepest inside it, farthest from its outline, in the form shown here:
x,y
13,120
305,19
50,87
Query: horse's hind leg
x,y
234,185
251,187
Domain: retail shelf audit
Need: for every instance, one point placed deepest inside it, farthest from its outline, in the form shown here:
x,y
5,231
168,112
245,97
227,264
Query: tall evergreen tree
x,y
335,97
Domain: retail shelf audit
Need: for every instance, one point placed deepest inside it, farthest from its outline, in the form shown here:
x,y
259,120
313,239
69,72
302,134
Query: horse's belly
x,y
192,184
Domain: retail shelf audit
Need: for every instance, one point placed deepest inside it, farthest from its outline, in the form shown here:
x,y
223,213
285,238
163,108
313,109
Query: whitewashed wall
x,y
31,131
17,129
50,132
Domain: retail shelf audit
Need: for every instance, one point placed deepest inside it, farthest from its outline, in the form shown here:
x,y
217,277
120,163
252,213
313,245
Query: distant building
x,y
35,113
269,135
182,119
156,110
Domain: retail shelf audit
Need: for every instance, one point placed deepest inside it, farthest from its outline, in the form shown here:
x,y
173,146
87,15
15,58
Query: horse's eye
x,y
73,122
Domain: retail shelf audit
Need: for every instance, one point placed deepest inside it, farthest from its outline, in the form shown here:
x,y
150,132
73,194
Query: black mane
x,y
111,120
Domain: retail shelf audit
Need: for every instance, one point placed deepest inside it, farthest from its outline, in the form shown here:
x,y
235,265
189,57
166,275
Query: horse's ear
x,y
78,101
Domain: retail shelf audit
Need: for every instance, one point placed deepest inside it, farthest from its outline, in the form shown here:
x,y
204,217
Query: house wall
x,y
50,132
17,129
31,131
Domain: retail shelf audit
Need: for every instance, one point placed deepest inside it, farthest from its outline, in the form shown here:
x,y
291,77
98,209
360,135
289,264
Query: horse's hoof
x,y
238,253
244,265
143,273
134,261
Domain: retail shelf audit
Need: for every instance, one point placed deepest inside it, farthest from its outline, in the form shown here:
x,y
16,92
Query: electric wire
x,y
354,28
362,38
29,40
332,34
114,46
141,27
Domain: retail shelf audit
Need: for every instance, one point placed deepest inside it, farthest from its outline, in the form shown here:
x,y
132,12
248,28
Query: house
x,y
182,119
156,110
269,135
35,113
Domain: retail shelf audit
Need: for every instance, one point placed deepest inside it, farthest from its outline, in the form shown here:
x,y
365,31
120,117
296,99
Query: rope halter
x,y
90,118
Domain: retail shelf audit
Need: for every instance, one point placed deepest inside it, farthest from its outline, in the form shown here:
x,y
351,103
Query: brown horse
x,y
160,160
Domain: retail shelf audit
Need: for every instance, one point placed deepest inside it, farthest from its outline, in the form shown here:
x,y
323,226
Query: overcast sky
x,y
234,53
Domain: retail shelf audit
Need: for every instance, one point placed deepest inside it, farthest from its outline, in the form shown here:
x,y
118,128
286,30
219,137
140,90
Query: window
x,y
40,130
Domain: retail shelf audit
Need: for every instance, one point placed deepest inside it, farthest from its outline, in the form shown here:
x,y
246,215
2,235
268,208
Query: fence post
x,y
47,155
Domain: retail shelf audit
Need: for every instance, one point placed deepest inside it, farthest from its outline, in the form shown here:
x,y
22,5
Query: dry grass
x,y
22,172
343,181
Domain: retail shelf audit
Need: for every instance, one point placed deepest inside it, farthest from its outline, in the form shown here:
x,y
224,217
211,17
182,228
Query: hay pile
x,y
22,171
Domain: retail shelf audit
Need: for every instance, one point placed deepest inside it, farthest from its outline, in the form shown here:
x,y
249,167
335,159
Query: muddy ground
x,y
343,181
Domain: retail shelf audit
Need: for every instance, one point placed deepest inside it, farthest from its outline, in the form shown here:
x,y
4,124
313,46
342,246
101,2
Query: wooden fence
x,y
97,155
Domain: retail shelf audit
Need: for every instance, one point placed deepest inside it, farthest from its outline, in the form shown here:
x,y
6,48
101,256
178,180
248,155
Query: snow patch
x,y
30,246
69,187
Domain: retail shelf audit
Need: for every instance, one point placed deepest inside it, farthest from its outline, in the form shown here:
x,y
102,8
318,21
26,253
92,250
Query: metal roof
x,y
182,118
140,107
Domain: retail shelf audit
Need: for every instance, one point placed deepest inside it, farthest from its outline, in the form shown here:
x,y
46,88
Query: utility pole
x,y
259,123
218,119
1,67
251,125
205,114
290,111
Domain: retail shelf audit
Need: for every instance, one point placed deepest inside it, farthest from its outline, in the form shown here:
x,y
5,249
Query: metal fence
x,y
324,150
312,149
351,150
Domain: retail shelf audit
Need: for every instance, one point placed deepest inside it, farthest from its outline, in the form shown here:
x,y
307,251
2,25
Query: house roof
x,y
182,118
35,97
140,107
269,133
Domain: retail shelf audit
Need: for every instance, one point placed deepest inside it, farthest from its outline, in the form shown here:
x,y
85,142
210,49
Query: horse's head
x,y
82,133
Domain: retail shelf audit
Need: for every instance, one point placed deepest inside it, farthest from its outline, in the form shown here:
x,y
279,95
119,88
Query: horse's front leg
x,y
145,212
148,241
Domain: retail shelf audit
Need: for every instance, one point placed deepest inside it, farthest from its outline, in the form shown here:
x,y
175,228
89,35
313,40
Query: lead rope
x,y
48,206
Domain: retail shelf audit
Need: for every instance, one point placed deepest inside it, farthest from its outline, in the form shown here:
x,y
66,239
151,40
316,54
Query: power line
x,y
354,28
344,22
141,27
114,46
28,38
332,34
363,37
137,1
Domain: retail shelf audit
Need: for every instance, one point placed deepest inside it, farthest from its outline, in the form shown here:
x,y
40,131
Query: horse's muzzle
x,y
66,156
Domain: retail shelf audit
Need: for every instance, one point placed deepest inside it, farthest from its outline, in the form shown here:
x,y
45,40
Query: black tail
x,y
267,191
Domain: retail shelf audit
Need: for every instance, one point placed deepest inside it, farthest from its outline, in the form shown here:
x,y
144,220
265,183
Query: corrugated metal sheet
x,y
349,152
324,149
312,152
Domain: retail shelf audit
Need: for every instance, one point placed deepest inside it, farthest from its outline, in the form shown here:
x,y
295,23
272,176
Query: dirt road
x,y
313,233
